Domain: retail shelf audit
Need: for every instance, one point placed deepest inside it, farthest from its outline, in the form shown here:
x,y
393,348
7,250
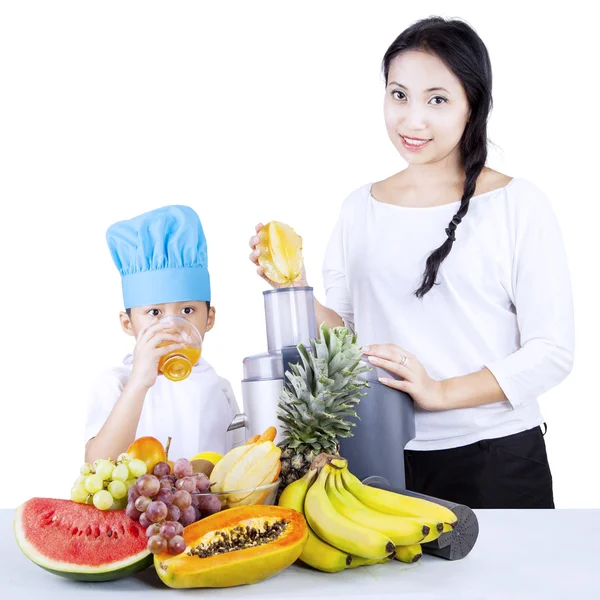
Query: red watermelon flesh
x,y
79,541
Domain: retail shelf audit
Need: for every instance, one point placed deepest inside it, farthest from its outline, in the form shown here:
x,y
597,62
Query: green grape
x,y
80,480
105,469
119,504
130,483
93,483
124,458
120,473
137,467
85,469
79,494
103,500
117,489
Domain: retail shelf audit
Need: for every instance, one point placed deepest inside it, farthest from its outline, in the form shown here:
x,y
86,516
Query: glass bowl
x,y
263,494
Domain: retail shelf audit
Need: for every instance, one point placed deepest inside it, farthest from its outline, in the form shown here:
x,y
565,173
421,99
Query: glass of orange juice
x,y
177,365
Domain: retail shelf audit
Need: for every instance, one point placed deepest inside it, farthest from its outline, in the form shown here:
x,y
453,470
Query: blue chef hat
x,y
161,256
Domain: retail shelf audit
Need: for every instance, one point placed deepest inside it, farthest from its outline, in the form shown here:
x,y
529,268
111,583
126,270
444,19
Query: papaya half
x,y
237,546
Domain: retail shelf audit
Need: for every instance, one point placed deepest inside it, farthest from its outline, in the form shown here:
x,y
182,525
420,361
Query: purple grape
x,y
187,483
154,529
176,545
183,468
209,504
168,530
202,483
161,469
166,484
133,494
195,499
142,503
165,496
198,513
188,516
157,544
157,511
148,485
145,521
132,512
179,528
182,499
173,513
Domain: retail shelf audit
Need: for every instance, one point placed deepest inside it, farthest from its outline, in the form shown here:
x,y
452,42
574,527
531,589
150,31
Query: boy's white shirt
x,y
194,413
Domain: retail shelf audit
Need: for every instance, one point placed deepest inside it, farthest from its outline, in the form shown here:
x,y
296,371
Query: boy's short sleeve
x,y
104,393
237,437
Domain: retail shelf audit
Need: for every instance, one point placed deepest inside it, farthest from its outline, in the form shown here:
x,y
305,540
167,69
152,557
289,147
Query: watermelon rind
x,y
113,571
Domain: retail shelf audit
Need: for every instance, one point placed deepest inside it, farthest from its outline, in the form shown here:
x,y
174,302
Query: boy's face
x,y
196,312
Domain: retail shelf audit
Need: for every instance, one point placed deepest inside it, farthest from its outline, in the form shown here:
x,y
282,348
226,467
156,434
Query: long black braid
x,y
473,165
465,54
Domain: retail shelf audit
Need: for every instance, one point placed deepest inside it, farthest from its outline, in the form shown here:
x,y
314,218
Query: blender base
x,y
452,545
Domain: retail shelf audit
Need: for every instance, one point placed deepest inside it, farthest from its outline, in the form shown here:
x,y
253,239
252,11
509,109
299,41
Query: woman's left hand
x,y
425,391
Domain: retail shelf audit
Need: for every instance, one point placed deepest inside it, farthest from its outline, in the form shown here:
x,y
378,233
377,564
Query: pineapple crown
x,y
322,392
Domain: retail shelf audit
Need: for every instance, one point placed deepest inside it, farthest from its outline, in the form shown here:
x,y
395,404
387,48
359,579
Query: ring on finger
x,y
404,360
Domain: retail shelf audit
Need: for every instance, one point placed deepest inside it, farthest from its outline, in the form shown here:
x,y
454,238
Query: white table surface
x,y
519,554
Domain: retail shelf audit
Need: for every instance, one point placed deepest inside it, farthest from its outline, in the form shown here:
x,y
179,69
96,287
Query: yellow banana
x,y
316,553
435,527
359,561
339,531
398,504
409,554
400,530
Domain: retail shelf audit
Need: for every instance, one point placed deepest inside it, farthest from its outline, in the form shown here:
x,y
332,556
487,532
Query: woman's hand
x,y
300,282
425,391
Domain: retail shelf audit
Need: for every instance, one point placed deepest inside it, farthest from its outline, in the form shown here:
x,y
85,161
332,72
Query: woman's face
x,y
426,103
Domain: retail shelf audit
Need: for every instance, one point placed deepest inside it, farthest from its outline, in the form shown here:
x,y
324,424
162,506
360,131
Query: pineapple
x,y
318,399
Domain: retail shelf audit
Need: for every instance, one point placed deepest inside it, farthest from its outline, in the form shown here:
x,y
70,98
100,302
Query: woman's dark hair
x,y
457,45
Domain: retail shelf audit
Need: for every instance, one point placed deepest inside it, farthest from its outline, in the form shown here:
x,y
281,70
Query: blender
x,y
290,320
385,424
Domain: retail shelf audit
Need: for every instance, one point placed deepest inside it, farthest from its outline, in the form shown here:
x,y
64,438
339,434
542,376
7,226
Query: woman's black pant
x,y
506,472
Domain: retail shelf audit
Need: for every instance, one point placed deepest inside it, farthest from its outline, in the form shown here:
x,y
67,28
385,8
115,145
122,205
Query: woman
x,y
462,271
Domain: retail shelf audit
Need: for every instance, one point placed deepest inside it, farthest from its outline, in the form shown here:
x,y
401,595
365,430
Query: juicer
x,y
386,420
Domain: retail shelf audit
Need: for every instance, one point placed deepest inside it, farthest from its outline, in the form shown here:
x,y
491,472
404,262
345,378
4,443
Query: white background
x,y
246,112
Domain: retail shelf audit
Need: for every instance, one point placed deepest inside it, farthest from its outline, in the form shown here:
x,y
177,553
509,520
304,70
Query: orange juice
x,y
177,365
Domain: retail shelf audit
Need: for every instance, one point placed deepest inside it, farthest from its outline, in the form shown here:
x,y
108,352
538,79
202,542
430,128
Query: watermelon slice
x,y
79,541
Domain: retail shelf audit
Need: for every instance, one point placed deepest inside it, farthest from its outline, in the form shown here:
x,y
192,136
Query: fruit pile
x,y
219,527
352,524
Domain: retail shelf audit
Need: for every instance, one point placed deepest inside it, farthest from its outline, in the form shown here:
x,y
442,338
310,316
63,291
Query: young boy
x,y
162,258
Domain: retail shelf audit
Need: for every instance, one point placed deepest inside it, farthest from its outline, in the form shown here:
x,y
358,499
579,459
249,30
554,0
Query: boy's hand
x,y
146,354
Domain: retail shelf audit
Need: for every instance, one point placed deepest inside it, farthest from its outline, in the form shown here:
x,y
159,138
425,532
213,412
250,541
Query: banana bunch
x,y
352,524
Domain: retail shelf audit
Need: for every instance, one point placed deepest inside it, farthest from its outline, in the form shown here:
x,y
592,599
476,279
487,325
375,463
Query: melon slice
x,y
263,472
259,496
246,464
224,465
79,542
